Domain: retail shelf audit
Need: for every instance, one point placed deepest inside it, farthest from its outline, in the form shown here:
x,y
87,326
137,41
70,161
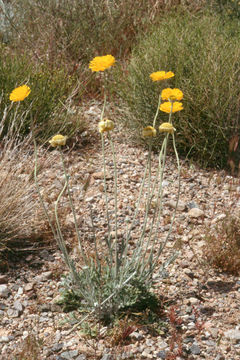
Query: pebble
x,y
233,335
196,213
195,350
4,291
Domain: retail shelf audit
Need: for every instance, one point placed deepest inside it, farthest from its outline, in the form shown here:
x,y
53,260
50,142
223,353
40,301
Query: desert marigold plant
x,y
116,280
161,75
20,93
101,63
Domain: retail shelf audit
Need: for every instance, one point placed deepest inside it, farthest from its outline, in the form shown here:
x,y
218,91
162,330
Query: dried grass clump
x,y
21,219
223,245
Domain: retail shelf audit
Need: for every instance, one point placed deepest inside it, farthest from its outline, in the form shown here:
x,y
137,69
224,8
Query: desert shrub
x,y
72,32
223,245
49,105
203,52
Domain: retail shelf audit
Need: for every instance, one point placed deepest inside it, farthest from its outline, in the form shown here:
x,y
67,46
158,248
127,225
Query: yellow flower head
x,y
58,140
166,107
166,127
172,94
105,125
161,75
20,93
101,63
149,131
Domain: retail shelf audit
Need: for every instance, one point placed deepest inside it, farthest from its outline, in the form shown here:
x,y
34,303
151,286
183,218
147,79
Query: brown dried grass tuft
x,y
223,245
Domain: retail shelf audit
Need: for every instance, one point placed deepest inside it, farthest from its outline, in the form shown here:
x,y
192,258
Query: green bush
x,y
204,54
43,108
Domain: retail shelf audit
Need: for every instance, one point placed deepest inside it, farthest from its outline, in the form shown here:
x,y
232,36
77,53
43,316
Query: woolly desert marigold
x,y
172,94
166,107
166,127
101,63
149,131
58,140
105,125
20,93
161,75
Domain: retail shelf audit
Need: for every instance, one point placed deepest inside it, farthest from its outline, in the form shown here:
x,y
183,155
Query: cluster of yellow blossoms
x,y
101,63
172,104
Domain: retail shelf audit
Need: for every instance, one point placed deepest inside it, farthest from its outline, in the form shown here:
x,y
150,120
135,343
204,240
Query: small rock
x,y
4,339
81,357
233,335
136,335
107,357
4,291
161,354
18,306
181,204
57,347
100,175
218,218
3,279
12,313
29,286
195,350
196,213
192,205
69,355
44,276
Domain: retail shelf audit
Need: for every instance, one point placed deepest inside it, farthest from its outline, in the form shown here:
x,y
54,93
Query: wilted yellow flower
x,y
58,140
172,94
101,63
166,127
161,75
20,93
149,131
105,125
166,107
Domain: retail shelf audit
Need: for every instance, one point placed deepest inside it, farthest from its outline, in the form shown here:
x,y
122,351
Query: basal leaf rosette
x,y
161,75
171,94
105,125
101,63
20,93
171,107
149,131
166,128
58,140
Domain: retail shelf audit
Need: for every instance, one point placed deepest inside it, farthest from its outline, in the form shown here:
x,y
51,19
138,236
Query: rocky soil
x,y
201,308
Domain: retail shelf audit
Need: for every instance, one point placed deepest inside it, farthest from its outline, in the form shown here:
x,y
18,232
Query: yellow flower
x,y
101,63
149,131
161,75
20,93
166,107
166,127
105,125
58,140
172,94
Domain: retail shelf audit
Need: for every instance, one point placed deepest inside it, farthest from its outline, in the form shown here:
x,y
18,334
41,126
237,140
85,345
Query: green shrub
x,y
204,55
47,105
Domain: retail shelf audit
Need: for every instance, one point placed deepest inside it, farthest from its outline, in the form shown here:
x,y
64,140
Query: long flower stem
x,y
117,259
73,210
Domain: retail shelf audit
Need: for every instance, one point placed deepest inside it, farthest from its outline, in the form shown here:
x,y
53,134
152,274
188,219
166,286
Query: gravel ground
x,y
202,310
